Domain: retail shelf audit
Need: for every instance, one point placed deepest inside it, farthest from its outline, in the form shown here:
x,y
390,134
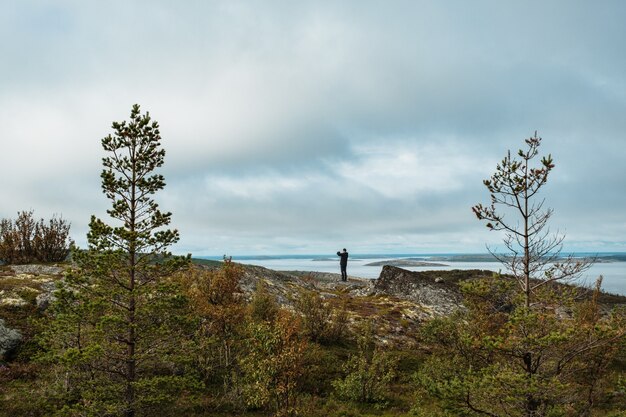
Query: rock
x,y
46,297
37,269
437,296
9,339
286,285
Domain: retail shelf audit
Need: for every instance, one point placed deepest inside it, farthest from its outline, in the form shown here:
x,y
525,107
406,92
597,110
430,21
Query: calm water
x,y
614,273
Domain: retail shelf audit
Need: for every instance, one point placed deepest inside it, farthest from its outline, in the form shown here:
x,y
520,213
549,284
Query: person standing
x,y
343,262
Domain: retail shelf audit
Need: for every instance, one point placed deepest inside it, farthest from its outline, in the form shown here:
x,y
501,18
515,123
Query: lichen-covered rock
x,y
9,339
46,297
437,296
10,298
37,269
286,285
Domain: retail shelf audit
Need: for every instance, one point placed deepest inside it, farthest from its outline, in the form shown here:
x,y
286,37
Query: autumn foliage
x,y
25,240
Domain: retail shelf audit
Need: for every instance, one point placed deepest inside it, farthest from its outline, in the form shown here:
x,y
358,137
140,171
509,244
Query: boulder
x,y
441,298
9,339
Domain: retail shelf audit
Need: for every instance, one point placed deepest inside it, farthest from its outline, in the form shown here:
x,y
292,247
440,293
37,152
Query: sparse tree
x,y
126,315
533,256
522,348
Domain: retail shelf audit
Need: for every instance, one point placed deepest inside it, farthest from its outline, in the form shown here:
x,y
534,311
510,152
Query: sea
x,y
611,266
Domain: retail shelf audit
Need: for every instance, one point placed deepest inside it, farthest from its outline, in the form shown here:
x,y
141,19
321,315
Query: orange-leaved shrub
x,y
25,240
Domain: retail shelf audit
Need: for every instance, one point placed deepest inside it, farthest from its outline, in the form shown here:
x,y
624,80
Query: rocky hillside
x,y
24,289
397,302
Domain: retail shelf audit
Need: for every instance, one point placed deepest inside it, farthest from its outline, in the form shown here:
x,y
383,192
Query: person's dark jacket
x,y
344,258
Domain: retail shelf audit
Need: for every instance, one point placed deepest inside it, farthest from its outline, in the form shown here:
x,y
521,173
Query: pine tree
x,y
533,256
119,319
524,347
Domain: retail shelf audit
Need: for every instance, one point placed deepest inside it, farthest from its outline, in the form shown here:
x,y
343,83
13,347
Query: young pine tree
x,y
119,319
533,256
524,347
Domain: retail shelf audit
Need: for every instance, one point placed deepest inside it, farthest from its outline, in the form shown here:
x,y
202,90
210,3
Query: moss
x,y
9,283
28,294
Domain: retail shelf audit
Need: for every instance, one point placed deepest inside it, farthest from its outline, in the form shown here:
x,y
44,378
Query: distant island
x,y
404,263
332,259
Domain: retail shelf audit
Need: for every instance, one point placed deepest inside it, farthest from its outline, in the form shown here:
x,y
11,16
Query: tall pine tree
x,y
118,320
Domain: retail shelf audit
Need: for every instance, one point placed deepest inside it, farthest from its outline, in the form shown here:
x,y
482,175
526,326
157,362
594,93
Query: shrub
x,y
216,301
551,359
368,373
25,240
263,306
50,242
320,321
272,369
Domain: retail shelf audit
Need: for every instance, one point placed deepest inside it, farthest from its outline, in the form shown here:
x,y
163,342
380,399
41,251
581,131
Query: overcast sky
x,y
305,127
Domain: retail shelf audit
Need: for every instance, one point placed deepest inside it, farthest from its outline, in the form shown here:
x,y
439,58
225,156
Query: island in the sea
x,y
404,263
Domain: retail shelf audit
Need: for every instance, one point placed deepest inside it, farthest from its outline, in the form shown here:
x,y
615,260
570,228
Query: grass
x,y
8,283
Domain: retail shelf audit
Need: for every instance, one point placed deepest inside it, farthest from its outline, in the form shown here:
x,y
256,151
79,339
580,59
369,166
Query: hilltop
x,y
397,302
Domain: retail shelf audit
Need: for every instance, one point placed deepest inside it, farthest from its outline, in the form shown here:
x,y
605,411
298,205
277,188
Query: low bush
x,y
321,322
369,373
25,240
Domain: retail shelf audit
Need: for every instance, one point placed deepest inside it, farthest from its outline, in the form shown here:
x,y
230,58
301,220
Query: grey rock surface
x,y
37,269
440,297
285,285
9,339
46,297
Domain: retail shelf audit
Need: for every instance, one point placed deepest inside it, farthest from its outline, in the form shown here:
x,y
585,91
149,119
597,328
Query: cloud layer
x,y
301,127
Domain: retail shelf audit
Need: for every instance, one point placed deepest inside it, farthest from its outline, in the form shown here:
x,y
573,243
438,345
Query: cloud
x,y
290,127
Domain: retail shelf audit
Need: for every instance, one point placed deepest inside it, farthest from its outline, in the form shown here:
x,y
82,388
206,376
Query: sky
x,y
306,127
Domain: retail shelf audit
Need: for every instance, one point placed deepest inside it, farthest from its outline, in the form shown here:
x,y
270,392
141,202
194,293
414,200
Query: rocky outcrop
x,y
23,285
9,339
434,293
397,303
286,285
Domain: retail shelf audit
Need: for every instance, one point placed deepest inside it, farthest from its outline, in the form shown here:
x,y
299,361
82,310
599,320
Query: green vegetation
x,y
117,320
248,355
321,322
368,373
524,347
500,358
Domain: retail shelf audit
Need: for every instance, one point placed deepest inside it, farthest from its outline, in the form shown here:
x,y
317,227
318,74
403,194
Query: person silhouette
x,y
343,262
